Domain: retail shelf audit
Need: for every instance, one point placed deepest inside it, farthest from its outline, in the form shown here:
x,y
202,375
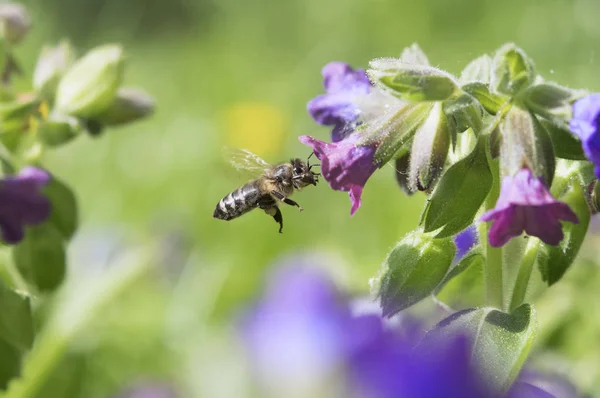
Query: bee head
x,y
302,173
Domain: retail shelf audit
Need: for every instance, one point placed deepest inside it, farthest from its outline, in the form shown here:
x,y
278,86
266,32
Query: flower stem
x,y
525,268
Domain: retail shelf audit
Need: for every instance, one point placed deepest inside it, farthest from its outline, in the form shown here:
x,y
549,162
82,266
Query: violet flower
x,y
303,339
337,108
464,241
586,125
345,165
526,205
21,203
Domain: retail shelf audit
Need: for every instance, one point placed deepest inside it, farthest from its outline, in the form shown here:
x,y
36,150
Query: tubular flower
x,y
337,108
526,205
586,125
21,203
345,165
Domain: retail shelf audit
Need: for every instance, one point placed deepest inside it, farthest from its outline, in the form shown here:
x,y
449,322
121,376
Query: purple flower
x,y
337,108
303,338
586,125
464,241
345,165
22,203
526,205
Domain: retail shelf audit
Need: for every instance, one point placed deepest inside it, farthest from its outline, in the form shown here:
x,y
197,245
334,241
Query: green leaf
x,y
65,214
412,270
566,144
463,285
512,70
41,258
412,82
500,342
554,261
550,100
491,102
463,113
459,194
16,321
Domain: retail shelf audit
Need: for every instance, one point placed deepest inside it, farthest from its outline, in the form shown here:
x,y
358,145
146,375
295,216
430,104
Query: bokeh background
x,y
239,73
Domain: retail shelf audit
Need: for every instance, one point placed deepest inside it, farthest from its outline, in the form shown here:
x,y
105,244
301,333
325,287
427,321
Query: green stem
x,y
524,274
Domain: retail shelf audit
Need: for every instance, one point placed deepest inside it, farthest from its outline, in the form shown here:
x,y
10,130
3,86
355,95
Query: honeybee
x,y
276,184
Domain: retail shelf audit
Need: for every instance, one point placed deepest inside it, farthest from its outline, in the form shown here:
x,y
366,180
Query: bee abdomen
x,y
238,202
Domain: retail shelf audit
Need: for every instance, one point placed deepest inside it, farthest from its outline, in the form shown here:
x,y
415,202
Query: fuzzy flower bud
x,y
130,104
429,150
14,22
51,66
90,86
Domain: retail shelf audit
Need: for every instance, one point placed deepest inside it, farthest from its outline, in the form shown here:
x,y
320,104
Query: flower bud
x,y
429,150
128,106
412,82
477,71
526,143
551,100
51,66
14,22
512,70
90,85
402,167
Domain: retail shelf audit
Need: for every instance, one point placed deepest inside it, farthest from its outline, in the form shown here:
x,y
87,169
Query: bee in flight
x,y
276,184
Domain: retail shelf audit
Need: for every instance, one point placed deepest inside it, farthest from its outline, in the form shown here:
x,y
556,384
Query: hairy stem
x,y
524,274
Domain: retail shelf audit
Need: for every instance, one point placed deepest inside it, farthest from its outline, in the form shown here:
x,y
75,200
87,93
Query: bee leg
x,y
276,213
285,200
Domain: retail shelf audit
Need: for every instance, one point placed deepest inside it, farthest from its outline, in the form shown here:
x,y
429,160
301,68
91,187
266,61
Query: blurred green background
x,y
239,73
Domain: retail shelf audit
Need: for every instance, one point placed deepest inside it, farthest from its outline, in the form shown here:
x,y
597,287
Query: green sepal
x,y
489,101
401,171
412,270
412,82
595,197
477,71
59,130
41,257
65,214
392,134
16,320
566,145
554,261
459,194
499,342
512,70
463,112
463,286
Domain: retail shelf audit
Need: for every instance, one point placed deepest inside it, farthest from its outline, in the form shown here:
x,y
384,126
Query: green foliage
x,y
512,70
463,286
500,342
65,214
459,194
412,270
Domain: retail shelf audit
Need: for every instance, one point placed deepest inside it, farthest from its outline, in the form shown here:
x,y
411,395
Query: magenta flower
x,y
22,203
526,205
345,165
337,108
586,125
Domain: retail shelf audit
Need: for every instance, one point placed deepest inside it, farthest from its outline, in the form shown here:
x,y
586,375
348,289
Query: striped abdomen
x,y
240,201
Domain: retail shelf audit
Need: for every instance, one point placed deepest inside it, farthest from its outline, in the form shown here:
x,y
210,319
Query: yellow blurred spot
x,y
258,127
44,110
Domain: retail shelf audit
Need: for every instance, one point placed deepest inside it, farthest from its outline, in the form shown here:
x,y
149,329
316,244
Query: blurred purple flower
x,y
526,205
303,338
337,108
586,125
464,241
345,165
22,203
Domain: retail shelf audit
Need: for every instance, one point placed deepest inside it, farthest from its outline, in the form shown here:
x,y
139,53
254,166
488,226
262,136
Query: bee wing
x,y
245,161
